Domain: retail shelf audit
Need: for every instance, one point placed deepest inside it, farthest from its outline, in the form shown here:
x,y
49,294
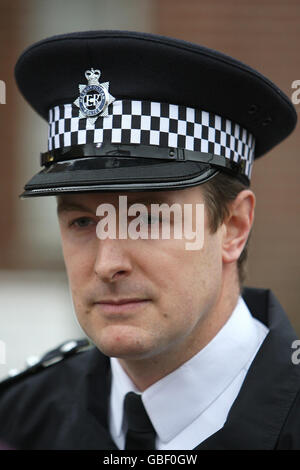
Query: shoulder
x,y
39,405
44,406
64,359
44,397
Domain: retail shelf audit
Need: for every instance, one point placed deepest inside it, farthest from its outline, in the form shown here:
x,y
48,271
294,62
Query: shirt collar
x,y
195,384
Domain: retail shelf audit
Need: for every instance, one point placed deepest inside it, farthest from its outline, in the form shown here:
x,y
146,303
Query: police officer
x,y
182,356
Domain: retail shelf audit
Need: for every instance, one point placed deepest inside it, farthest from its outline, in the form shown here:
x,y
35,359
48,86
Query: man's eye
x,y
82,222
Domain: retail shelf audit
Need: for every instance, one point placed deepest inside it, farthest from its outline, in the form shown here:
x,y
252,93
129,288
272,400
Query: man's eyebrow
x,y
64,206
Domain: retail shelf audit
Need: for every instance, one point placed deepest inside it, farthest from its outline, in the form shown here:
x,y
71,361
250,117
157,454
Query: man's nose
x,y
112,260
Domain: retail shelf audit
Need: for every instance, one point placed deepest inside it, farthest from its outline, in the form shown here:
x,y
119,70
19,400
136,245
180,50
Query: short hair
x,y
218,192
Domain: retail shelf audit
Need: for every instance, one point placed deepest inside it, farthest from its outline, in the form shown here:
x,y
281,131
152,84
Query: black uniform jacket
x,y
65,405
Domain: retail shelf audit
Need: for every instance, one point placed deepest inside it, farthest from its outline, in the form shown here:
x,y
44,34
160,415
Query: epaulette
x,y
35,364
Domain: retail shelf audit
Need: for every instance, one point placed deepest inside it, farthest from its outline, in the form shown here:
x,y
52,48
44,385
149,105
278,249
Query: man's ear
x,y
237,225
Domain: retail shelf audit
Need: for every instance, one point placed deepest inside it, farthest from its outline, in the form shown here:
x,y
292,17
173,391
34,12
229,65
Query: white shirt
x,y
192,403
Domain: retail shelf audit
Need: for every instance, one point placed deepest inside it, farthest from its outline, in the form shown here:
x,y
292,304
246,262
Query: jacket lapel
x,y
93,403
259,411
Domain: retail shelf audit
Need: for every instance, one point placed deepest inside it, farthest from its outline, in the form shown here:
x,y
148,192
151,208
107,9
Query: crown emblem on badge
x,y
94,98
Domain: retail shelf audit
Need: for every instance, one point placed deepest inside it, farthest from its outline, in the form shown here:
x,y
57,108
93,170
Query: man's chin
x,y
129,343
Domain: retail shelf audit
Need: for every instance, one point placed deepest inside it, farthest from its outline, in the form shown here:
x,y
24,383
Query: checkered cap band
x,y
152,123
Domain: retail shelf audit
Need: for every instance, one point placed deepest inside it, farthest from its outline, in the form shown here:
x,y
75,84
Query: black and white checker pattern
x,y
152,123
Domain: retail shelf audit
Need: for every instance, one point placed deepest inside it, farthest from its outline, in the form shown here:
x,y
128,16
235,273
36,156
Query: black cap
x,y
132,111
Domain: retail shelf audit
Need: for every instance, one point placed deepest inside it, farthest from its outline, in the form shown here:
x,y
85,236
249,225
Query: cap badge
x,y
94,98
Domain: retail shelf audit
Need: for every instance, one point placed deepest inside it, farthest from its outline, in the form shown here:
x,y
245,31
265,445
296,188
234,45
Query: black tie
x,y
140,433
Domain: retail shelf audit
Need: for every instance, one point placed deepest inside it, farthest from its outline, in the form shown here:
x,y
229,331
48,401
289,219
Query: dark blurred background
x,y
35,306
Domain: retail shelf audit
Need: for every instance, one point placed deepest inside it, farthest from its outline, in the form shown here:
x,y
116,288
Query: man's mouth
x,y
124,305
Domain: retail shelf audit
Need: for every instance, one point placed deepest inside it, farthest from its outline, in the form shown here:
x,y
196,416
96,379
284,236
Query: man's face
x,y
176,288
